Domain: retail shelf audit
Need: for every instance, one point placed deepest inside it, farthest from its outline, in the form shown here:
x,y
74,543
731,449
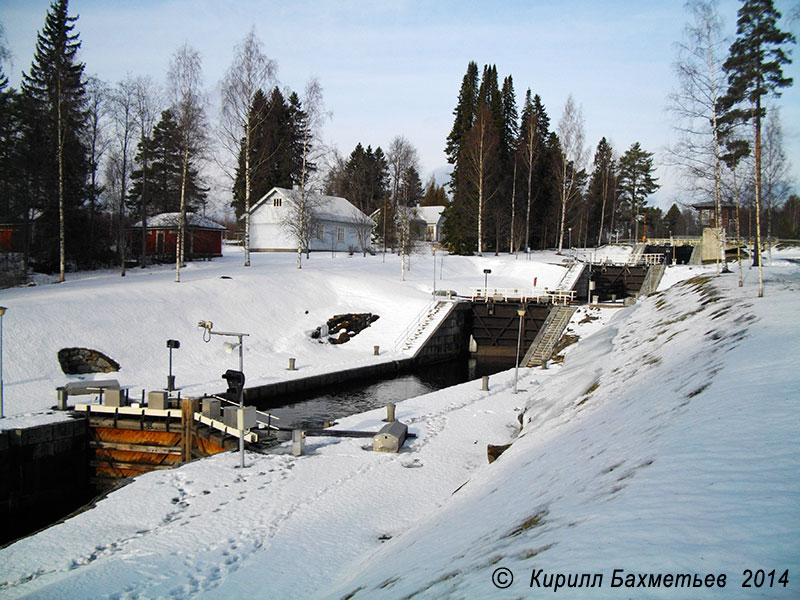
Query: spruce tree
x,y
601,190
54,91
755,70
165,164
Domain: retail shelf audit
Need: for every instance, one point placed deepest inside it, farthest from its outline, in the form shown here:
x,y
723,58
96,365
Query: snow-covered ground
x,y
666,443
130,318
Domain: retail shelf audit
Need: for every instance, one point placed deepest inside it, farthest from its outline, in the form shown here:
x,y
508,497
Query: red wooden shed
x,y
203,237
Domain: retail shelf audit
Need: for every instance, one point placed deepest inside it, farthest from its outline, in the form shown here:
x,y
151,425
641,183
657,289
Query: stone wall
x,y
44,473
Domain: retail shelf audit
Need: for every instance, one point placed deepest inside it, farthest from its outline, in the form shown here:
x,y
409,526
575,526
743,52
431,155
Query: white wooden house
x,y
432,215
337,225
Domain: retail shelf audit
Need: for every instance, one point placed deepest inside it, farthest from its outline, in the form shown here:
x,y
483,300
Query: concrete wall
x,y
451,338
44,475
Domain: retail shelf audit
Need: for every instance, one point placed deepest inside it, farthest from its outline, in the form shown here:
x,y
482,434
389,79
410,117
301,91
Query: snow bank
x,y
665,443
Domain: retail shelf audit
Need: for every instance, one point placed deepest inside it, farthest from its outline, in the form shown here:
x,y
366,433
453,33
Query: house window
x,y
340,234
277,202
319,233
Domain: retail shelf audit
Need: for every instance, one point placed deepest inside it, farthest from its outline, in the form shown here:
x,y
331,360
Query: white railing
x,y
426,310
506,294
642,259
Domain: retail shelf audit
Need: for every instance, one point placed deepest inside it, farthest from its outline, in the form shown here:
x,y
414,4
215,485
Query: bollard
x,y
291,364
613,297
62,398
544,364
595,299
298,442
485,383
390,412
376,350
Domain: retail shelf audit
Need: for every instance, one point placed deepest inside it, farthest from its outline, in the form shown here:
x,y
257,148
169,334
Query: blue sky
x,y
394,67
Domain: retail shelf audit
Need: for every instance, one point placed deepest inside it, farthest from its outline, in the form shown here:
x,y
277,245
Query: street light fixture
x,y
172,345
3,310
521,313
207,327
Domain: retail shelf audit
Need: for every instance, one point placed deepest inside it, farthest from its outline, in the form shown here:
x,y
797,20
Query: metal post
x,y
3,310
433,293
521,314
485,383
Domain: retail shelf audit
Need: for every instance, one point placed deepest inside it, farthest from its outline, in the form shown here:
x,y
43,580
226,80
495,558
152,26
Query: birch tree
x,y
310,124
695,106
147,106
571,160
185,81
123,114
250,72
402,158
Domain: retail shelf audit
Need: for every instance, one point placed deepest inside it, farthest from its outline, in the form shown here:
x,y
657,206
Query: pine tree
x,y
755,70
56,112
636,182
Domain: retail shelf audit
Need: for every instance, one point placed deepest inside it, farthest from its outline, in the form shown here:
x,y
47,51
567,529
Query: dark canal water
x,y
313,410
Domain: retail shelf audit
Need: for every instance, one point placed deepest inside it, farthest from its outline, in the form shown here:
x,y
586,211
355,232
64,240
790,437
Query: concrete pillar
x,y
376,350
298,442
390,412
291,364
485,383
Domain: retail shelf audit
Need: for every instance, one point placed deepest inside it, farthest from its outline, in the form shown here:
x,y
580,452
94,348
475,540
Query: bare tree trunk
x,y
181,217
61,233
513,208
758,196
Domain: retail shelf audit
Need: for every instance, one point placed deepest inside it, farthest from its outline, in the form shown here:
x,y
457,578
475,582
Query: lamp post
x,y
3,310
207,327
434,270
521,313
486,281
172,345
570,239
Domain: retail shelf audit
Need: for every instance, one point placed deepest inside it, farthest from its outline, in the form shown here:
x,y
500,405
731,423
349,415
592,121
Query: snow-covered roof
x,y
167,220
431,214
329,208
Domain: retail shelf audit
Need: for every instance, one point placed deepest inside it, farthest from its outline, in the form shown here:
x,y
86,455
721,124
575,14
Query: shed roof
x,y
170,221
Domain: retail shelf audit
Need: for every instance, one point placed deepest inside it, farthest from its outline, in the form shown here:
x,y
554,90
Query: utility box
x,y
229,416
390,438
246,417
114,398
212,408
157,400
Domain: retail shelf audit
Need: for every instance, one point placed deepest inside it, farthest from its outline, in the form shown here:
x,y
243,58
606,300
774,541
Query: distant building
x,y
432,215
202,239
337,225
706,214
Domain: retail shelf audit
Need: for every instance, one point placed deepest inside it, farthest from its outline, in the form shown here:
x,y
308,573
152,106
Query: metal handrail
x,y
416,321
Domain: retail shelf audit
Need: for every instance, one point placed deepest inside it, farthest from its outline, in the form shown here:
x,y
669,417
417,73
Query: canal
x,y
313,410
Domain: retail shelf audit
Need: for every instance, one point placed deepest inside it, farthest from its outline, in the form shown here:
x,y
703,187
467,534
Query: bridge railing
x,y
506,294
642,259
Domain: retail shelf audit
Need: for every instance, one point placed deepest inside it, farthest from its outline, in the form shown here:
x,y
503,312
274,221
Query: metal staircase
x,y
426,322
542,347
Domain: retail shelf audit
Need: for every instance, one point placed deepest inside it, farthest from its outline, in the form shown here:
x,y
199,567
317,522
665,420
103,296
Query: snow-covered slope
x,y
131,318
666,443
